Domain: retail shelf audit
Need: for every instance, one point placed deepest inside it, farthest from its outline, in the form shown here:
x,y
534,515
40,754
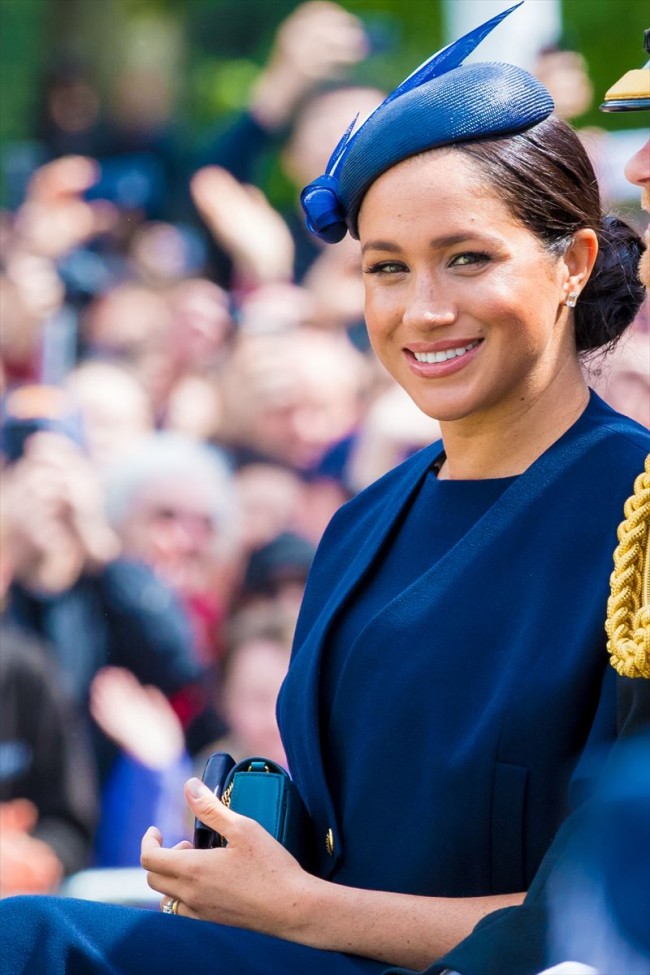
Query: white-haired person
x,y
171,500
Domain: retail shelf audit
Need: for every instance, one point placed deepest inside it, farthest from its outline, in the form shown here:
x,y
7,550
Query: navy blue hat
x,y
442,102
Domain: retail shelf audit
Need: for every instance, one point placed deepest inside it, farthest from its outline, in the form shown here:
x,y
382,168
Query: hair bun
x,y
323,210
614,293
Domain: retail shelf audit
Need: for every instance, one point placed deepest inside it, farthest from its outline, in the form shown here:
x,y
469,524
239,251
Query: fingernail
x,y
196,788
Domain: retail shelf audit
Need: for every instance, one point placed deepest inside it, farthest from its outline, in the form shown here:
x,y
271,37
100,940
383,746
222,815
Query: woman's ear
x,y
579,260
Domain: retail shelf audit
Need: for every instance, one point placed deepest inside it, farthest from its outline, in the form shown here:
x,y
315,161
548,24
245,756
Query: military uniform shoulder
x,y
628,608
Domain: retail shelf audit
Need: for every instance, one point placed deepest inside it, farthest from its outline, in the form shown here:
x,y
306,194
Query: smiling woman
x,y
486,274
465,306
449,689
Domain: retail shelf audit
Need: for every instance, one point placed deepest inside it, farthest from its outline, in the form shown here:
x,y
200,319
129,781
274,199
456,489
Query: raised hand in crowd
x,y
55,217
137,717
315,43
146,778
54,506
246,226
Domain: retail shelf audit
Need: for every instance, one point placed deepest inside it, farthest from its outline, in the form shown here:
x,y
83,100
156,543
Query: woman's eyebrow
x,y
446,240
380,245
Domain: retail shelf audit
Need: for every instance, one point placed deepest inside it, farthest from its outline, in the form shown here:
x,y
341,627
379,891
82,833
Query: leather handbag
x,y
263,791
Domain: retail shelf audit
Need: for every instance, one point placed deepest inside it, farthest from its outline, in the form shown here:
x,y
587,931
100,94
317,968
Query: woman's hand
x,y
252,883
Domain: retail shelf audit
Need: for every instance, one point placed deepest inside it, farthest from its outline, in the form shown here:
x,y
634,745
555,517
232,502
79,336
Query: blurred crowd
x,y
187,396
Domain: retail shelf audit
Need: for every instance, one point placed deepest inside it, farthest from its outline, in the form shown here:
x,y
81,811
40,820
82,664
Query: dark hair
x,y
547,180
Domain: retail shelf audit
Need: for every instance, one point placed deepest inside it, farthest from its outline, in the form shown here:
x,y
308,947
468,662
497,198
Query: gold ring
x,y
170,906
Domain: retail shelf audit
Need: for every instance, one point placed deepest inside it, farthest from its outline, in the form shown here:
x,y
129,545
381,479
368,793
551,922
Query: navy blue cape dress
x,y
459,691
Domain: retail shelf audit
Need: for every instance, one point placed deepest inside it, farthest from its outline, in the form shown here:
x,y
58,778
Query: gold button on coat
x,y
329,842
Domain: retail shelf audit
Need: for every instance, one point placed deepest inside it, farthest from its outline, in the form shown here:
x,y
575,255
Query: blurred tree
x,y
23,38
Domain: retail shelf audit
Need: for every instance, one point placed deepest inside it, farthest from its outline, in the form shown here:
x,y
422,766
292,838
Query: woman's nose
x,y
427,307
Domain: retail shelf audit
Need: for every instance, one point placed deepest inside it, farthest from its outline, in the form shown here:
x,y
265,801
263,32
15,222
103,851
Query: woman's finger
x,y
155,858
151,840
180,909
162,885
209,809
183,845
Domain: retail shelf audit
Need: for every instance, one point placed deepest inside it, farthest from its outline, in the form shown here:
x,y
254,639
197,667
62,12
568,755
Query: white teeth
x,y
443,356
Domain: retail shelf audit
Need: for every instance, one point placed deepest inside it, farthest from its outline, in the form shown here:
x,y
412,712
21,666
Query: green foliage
x,y
22,48
233,28
609,33
219,86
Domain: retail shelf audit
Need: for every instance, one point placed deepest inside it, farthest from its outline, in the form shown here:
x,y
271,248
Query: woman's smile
x,y
441,358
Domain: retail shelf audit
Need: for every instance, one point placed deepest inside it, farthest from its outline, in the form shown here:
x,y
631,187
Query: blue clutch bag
x,y
263,791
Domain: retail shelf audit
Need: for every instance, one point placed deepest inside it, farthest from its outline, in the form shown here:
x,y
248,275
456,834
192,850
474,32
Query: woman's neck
x,y
506,444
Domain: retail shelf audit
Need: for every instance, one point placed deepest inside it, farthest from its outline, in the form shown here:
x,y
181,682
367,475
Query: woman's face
x,y
464,306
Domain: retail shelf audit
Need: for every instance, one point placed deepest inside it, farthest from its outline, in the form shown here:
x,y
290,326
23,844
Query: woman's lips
x,y
441,361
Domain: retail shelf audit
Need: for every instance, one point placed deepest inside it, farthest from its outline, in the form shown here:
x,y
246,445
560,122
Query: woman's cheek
x,y
381,311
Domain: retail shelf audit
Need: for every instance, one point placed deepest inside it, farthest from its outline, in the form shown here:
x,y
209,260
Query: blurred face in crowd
x,y
133,325
115,409
171,526
274,308
319,127
303,417
159,252
337,308
566,76
249,695
269,496
201,322
294,394
73,104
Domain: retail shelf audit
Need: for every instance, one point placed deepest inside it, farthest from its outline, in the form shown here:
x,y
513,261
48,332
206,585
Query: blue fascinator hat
x,y
440,103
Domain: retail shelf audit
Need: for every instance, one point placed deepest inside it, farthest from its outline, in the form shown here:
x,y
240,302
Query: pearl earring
x,y
571,299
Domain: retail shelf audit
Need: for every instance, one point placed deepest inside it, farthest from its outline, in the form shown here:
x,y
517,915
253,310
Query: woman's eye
x,y
469,259
385,267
